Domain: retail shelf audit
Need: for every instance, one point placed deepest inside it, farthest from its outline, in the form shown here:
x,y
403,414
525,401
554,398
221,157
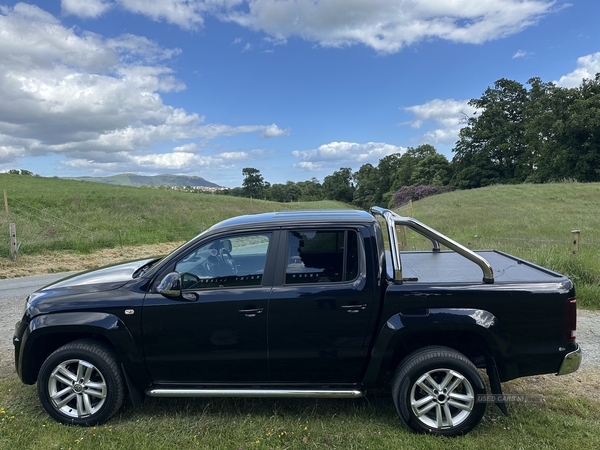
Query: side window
x,y
227,262
315,256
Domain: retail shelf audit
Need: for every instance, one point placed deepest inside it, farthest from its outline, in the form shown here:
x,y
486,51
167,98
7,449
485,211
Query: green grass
x,y
55,214
531,221
560,422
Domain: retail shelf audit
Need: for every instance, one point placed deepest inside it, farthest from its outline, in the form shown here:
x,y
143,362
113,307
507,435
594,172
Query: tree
x,y
496,136
338,186
434,169
254,183
276,192
292,192
288,192
367,183
566,131
311,190
546,133
386,169
21,172
408,163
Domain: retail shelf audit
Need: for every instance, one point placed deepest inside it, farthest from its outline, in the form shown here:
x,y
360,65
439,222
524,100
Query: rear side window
x,y
317,256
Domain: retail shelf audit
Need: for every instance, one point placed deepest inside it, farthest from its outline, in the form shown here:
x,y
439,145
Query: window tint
x,y
228,262
321,256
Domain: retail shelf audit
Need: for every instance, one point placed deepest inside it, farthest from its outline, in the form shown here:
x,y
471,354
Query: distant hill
x,y
131,179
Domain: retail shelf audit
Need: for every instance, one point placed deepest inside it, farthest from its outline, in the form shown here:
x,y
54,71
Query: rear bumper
x,y
571,362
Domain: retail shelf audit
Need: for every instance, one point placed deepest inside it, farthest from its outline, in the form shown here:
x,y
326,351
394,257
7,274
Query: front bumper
x,y
571,362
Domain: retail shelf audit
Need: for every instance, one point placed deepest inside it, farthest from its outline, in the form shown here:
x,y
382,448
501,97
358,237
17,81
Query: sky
x,y
295,88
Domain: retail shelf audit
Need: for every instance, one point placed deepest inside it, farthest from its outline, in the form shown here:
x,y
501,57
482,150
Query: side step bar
x,y
294,393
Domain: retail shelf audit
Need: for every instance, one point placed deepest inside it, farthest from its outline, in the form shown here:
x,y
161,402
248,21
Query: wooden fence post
x,y
5,201
12,228
575,237
403,244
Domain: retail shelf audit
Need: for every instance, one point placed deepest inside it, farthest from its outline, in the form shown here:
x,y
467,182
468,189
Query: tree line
x,y
519,134
370,185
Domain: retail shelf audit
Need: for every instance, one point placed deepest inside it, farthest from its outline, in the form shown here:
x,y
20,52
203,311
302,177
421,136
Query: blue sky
x,y
294,88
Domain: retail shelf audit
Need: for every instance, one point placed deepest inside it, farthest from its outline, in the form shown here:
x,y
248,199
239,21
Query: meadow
x,y
562,421
531,221
56,214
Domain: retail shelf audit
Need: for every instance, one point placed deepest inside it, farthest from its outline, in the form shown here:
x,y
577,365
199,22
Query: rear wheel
x,y
435,390
81,383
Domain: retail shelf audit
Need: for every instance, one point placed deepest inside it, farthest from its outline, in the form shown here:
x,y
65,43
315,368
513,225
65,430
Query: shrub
x,y
407,193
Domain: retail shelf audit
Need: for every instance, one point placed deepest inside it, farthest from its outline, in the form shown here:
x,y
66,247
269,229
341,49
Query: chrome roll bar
x,y
392,220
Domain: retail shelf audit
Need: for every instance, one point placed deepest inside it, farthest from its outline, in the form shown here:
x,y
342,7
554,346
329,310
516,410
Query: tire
x,y
81,383
435,391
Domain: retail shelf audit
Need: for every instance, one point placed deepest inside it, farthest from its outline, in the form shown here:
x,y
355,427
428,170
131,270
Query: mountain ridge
x,y
132,179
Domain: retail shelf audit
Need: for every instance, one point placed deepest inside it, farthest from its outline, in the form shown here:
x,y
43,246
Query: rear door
x,y
320,307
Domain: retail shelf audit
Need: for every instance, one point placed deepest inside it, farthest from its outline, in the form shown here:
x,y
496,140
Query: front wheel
x,y
81,383
435,390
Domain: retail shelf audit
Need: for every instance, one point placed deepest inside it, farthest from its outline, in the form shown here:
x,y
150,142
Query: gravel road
x,y
13,293
12,300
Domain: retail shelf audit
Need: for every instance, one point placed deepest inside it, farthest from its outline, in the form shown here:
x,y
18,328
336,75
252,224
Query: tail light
x,y
571,320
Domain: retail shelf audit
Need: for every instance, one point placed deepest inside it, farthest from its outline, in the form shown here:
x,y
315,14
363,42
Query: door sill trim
x,y
294,393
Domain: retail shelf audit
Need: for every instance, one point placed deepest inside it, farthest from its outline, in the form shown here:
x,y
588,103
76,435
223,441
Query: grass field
x,y
562,421
55,214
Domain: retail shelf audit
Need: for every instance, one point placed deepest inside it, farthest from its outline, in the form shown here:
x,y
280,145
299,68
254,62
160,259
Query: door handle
x,y
251,312
354,308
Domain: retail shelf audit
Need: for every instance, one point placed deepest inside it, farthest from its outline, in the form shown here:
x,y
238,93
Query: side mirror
x,y
170,286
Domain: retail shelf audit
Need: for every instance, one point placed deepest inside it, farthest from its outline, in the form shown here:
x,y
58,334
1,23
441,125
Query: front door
x,y
217,331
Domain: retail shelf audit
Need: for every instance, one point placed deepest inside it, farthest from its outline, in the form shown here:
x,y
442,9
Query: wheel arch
x,y
475,333
47,333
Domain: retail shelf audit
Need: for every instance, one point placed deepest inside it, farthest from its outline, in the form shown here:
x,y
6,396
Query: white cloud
x,y
389,25
274,131
449,114
384,25
77,94
521,54
9,154
85,8
187,148
587,67
178,160
344,153
187,14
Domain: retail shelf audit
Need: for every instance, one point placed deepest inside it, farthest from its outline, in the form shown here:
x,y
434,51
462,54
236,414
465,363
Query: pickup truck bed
x,y
448,266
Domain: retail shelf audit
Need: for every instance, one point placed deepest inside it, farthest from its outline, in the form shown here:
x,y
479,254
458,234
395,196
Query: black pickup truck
x,y
301,304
